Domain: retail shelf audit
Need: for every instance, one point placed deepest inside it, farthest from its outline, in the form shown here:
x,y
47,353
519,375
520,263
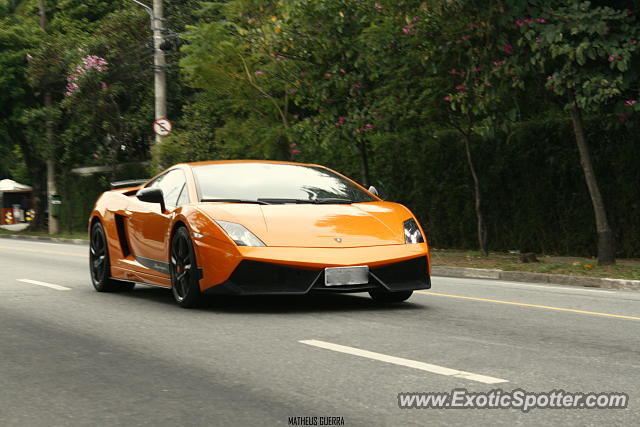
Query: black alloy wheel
x,y
100,265
390,297
185,276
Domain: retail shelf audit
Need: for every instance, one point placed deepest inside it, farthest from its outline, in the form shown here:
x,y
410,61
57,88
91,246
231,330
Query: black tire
x,y
184,272
99,263
390,297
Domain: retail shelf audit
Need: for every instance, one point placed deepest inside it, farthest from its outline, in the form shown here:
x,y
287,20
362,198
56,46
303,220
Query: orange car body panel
x,y
305,236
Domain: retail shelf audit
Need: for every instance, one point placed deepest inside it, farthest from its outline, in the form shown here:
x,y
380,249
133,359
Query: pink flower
x,y
540,20
453,71
295,152
378,6
369,126
328,74
407,28
341,121
95,155
103,86
549,77
612,58
29,57
258,73
461,88
630,102
508,49
634,41
520,23
342,70
538,40
357,85
447,98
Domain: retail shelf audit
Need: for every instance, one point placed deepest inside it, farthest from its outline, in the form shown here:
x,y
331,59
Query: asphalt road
x,y
71,356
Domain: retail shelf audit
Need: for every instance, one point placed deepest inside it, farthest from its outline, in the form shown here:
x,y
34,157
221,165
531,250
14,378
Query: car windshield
x,y
272,183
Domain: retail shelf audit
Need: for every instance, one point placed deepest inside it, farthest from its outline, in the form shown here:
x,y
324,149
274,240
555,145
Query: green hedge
x,y
534,194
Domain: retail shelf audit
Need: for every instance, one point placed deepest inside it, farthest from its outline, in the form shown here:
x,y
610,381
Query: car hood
x,y
317,226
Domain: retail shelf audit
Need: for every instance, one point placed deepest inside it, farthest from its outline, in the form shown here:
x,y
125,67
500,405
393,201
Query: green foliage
x,y
586,51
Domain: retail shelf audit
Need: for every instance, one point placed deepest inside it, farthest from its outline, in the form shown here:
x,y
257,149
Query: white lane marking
x,y
45,284
435,369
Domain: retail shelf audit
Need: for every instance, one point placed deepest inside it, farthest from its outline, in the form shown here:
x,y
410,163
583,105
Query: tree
x,y
234,57
586,53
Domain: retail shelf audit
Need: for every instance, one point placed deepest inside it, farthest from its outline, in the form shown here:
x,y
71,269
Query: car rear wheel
x,y
390,297
100,265
184,271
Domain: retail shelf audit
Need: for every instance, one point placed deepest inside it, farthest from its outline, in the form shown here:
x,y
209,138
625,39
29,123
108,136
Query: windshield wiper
x,y
326,201
257,202
333,200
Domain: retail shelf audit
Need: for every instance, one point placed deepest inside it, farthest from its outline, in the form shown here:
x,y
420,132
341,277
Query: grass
x,y
75,235
573,266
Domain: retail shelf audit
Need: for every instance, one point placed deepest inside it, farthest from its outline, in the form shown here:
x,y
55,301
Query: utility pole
x,y
159,63
52,196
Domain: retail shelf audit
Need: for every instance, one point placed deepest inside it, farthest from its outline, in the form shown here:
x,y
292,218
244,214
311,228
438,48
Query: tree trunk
x,y
482,231
362,147
38,198
606,246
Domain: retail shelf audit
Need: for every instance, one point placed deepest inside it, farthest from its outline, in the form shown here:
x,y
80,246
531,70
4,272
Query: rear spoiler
x,y
128,183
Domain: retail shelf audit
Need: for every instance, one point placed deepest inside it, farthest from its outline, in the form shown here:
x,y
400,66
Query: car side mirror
x,y
152,195
373,190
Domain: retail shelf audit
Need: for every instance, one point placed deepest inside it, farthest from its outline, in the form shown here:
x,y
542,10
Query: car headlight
x,y
239,234
412,232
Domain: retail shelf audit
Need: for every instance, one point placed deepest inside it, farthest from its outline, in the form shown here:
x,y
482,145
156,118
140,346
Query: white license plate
x,y
339,276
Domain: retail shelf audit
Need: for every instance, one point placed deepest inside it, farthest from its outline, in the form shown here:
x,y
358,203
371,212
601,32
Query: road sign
x,y
162,127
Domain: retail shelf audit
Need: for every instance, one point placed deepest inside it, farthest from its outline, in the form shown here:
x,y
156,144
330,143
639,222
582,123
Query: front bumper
x,y
263,278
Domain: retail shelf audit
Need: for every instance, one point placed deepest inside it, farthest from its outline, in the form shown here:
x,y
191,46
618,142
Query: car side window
x,y
174,188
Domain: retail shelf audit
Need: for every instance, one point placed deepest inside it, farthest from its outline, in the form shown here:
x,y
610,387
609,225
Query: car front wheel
x,y
183,270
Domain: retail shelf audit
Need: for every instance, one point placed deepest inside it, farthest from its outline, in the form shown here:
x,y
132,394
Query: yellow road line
x,y
41,251
522,304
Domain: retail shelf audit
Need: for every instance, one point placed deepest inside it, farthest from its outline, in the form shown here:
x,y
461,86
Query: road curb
x,y
522,276
45,239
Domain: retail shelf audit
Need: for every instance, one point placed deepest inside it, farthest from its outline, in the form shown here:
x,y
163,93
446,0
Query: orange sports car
x,y
255,227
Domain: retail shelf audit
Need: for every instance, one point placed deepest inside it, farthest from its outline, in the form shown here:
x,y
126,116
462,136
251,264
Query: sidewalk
x,y
522,276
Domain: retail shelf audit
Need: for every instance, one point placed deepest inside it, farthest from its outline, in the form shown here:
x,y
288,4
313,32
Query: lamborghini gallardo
x,y
255,228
